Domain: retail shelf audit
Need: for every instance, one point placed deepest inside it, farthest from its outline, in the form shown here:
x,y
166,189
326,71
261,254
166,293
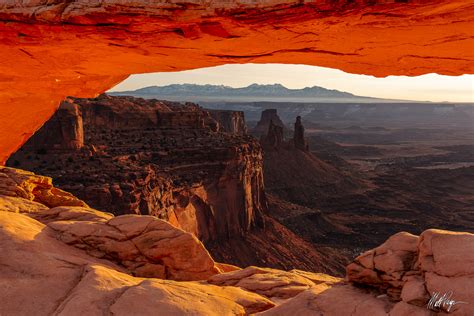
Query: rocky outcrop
x,y
268,116
230,121
143,245
273,139
298,137
63,131
292,172
94,274
94,263
158,158
183,169
128,113
411,269
23,184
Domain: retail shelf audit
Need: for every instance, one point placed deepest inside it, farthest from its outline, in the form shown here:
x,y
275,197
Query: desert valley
x,y
259,199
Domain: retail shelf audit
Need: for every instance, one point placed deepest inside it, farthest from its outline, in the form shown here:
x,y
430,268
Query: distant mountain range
x,y
254,92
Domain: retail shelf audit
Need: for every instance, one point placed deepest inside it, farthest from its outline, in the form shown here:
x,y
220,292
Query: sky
x,y
430,87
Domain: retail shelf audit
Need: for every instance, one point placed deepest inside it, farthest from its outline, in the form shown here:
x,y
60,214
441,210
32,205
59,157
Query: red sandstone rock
x,y
187,171
299,140
40,275
78,282
263,126
144,245
231,121
157,158
53,49
332,300
273,139
412,269
272,283
27,185
63,131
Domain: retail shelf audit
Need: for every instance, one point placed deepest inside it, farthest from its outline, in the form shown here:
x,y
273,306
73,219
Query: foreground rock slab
x,y
411,269
74,260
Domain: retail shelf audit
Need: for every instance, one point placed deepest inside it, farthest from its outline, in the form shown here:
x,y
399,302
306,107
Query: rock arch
x,y
51,49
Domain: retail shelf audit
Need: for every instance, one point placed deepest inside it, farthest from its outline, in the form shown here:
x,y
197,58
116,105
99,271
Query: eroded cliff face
x,y
176,162
156,158
230,121
267,118
292,172
52,49
93,263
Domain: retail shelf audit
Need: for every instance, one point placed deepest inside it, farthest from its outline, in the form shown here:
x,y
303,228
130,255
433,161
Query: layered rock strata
x,y
230,121
94,263
52,49
411,269
293,173
269,117
273,140
63,131
175,161
156,158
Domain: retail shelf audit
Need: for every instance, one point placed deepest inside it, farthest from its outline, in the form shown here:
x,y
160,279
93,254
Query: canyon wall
x,y
292,172
299,141
231,121
156,158
93,263
268,117
53,49
63,131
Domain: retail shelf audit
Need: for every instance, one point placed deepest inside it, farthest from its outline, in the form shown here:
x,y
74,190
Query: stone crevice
x,y
61,304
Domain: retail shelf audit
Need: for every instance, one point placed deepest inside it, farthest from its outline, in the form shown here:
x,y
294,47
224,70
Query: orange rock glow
x,y
51,49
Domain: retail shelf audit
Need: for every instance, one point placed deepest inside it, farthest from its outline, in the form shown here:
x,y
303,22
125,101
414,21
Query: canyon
x,y
170,207
195,168
155,158
314,200
94,263
53,49
357,185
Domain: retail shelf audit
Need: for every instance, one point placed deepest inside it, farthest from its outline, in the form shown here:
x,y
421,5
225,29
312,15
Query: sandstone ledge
x,y
410,269
93,263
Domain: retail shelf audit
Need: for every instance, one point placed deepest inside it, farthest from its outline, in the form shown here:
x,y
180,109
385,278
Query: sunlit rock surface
x,y
159,158
411,269
194,168
73,260
51,49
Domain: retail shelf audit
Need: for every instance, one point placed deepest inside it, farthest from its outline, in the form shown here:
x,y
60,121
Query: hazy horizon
x,y
430,87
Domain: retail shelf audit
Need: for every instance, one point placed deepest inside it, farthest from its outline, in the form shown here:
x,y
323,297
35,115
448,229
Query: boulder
x,y
413,270
142,244
272,283
73,260
40,275
335,300
27,185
